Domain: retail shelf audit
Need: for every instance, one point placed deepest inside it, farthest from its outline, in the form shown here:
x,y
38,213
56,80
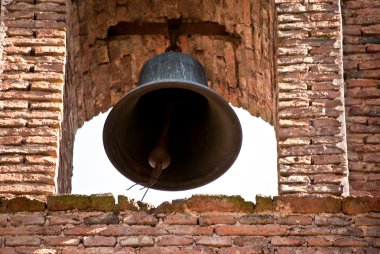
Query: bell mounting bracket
x,y
173,28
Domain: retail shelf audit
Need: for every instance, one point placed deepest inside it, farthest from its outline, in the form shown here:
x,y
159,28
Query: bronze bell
x,y
172,132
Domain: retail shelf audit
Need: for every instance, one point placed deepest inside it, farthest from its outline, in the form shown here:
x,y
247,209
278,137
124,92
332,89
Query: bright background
x,y
254,172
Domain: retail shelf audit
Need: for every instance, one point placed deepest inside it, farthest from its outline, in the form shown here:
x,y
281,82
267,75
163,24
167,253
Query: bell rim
x,y
192,86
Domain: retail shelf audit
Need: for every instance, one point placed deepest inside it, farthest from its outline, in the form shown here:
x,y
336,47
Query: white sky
x,y
254,172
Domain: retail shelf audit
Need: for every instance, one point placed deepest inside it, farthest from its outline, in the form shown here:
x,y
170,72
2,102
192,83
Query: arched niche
x,y
101,69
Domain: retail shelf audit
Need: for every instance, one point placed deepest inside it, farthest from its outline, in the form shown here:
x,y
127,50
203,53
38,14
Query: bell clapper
x,y
159,159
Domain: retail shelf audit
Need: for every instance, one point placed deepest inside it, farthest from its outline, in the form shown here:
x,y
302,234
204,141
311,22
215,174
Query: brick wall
x,y
311,113
361,27
201,224
308,108
33,61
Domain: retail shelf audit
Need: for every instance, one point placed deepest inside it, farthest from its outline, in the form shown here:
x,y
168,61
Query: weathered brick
x,y
367,221
181,219
214,241
50,33
60,241
22,241
320,241
309,231
10,140
295,220
44,160
189,230
68,202
97,241
174,240
353,205
251,230
373,232
328,179
256,219
136,241
350,242
101,218
336,221
49,50
308,204
287,241
212,219
250,241
63,218
30,230
4,220
140,219
27,219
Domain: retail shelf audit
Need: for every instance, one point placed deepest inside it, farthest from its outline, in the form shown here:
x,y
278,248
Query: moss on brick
x,y
125,204
307,204
358,205
263,203
21,204
68,202
205,203
103,202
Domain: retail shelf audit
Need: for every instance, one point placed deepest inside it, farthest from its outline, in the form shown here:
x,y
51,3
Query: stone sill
x,y
200,203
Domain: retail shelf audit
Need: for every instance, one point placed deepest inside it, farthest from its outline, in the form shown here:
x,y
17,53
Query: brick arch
x,y
102,68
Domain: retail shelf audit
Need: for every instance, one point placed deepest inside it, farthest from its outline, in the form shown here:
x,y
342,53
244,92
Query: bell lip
x,y
192,86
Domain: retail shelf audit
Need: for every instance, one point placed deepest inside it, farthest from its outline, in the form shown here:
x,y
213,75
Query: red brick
x,y
99,230
309,231
327,159
369,65
252,230
140,219
49,50
27,219
181,219
10,140
367,221
97,250
45,160
48,7
22,241
3,220
50,33
62,219
373,232
295,220
41,140
60,241
136,241
350,242
18,50
97,241
373,47
188,230
214,241
308,204
373,29
329,179
320,241
174,240
336,221
287,241
212,219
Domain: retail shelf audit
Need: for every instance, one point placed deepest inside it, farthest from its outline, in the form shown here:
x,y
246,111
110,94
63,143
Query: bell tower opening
x,y
254,172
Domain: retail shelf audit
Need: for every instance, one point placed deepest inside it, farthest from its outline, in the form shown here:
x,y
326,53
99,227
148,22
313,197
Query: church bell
x,y
172,132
